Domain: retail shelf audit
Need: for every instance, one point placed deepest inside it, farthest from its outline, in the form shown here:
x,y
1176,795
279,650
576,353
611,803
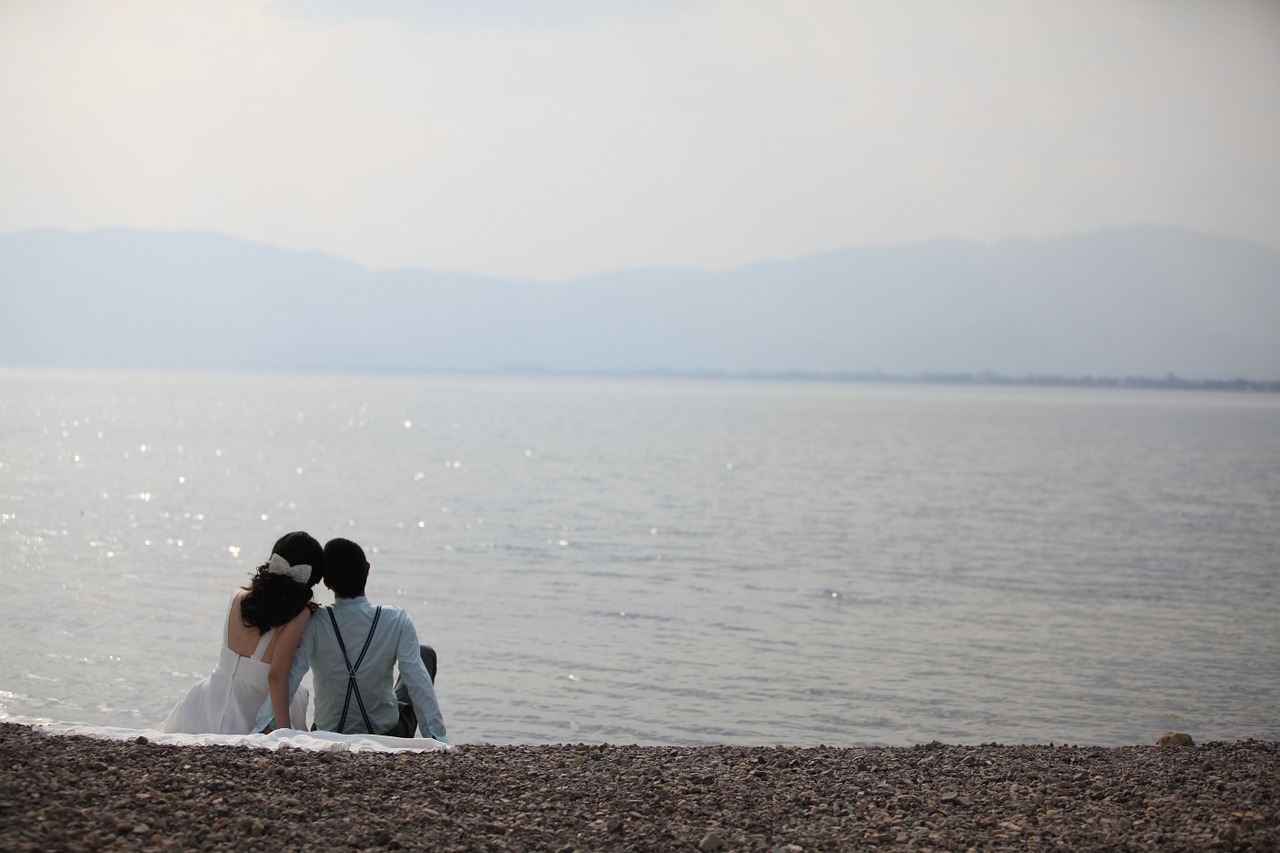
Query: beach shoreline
x,y
70,792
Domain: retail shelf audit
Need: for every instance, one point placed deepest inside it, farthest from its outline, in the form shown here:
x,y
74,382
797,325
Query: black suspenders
x,y
352,687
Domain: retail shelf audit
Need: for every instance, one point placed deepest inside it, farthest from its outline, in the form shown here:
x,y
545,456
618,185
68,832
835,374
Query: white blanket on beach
x,y
295,738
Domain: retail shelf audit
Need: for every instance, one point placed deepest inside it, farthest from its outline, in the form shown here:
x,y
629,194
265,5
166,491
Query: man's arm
x,y
421,691
301,660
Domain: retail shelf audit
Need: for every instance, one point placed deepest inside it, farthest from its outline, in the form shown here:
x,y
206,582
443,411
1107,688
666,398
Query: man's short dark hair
x,y
345,568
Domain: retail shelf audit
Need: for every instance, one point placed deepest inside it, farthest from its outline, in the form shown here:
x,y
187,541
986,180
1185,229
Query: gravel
x,y
59,793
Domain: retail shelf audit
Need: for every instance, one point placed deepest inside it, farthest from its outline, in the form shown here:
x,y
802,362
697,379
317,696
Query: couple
x,y
274,633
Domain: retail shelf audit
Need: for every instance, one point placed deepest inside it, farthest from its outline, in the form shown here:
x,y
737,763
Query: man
x,y
351,648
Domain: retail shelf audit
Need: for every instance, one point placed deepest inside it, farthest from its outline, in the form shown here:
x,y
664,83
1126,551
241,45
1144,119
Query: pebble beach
x,y
70,793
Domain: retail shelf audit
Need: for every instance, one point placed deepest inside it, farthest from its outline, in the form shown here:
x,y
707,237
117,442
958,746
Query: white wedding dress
x,y
228,701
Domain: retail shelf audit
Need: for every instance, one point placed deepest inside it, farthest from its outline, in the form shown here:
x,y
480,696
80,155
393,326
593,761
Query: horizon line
x,y
1170,381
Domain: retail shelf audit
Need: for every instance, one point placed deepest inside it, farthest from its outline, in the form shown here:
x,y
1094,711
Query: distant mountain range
x,y
1142,301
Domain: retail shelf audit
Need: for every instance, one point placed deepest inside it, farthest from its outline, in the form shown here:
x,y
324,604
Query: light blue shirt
x,y
394,642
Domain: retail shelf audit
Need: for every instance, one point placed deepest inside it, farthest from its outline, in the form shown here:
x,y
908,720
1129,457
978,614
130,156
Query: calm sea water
x,y
676,562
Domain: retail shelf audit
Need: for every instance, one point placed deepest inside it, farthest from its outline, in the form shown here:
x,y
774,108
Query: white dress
x,y
228,701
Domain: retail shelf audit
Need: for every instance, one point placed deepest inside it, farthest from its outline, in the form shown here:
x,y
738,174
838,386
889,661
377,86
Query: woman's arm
x,y
281,663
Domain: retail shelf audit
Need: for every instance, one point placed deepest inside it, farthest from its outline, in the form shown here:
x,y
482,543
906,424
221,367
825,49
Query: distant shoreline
x,y
1170,382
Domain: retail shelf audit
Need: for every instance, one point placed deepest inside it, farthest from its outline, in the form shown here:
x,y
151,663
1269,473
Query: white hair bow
x,y
278,565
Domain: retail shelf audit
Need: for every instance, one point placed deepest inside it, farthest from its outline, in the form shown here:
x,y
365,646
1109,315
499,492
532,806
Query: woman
x,y
259,637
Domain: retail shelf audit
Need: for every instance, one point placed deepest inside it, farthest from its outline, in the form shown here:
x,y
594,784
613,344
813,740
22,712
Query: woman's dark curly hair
x,y
275,599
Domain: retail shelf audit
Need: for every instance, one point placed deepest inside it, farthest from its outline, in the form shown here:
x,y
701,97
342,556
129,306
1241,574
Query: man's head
x,y
345,568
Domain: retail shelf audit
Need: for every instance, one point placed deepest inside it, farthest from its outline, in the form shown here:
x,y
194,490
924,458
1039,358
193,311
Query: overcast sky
x,y
564,137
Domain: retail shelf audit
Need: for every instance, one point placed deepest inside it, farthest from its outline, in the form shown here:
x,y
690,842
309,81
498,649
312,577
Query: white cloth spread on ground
x,y
310,741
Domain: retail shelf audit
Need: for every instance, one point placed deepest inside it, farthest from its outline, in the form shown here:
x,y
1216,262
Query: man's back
x,y
394,641
373,641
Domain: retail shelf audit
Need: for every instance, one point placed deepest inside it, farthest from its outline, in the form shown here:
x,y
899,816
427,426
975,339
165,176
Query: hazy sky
x,y
562,137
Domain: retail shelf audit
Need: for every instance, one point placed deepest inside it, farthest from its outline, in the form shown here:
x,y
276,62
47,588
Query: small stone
x,y
1175,739
382,838
614,825
140,829
710,842
142,739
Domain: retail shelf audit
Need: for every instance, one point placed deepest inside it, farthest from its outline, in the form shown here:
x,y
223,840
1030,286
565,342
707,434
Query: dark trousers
x,y
408,722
